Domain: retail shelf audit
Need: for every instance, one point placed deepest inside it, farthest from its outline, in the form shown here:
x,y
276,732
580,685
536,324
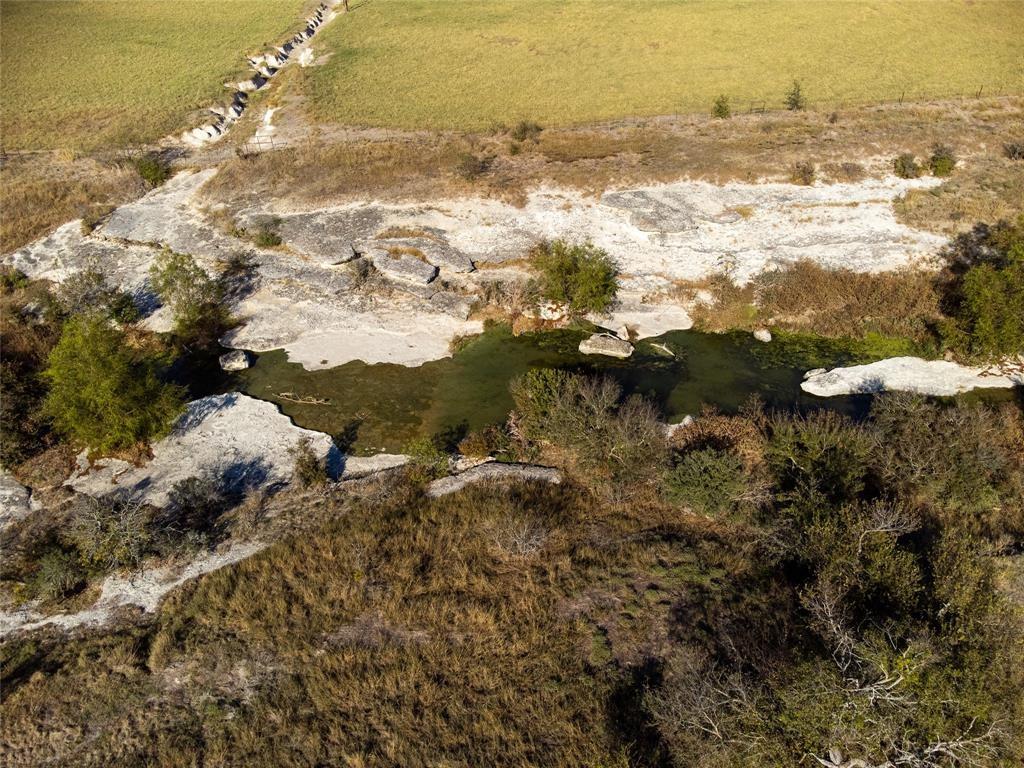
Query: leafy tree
x,y
983,291
582,277
102,392
195,298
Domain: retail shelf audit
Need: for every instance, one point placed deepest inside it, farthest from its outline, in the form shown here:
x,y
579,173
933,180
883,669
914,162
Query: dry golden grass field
x,y
83,75
468,64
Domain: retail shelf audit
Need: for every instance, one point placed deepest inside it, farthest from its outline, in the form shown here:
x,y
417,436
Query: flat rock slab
x,y
645,321
14,500
355,467
603,344
440,254
493,471
168,216
650,210
66,252
910,374
407,269
239,439
329,236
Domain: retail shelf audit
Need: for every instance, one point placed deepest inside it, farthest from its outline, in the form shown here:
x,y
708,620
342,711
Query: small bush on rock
x,y
310,470
426,460
111,533
194,505
59,574
526,130
582,277
942,161
469,166
803,173
153,169
905,166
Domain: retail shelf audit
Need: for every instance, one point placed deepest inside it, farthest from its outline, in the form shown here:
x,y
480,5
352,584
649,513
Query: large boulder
x,y
911,374
606,344
242,441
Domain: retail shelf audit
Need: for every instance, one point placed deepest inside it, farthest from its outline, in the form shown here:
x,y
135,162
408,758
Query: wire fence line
x,y
738,106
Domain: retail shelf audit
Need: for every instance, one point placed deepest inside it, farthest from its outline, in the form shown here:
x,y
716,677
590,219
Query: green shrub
x,y
526,129
795,99
942,161
265,235
26,340
12,279
123,309
821,458
905,166
721,109
58,575
426,460
92,217
536,394
153,169
707,480
802,173
608,437
195,299
962,461
983,292
581,277
310,470
103,393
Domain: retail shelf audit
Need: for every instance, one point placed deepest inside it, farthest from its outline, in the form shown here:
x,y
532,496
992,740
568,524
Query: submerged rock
x,y
605,344
236,360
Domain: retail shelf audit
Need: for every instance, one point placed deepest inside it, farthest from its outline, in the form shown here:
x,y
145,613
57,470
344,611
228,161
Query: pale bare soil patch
x,y
336,163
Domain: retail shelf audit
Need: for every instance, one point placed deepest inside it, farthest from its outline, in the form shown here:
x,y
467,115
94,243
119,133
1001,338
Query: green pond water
x,y
381,407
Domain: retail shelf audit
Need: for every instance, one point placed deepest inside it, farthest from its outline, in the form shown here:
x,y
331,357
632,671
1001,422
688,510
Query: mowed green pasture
x,y
102,72
467,64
